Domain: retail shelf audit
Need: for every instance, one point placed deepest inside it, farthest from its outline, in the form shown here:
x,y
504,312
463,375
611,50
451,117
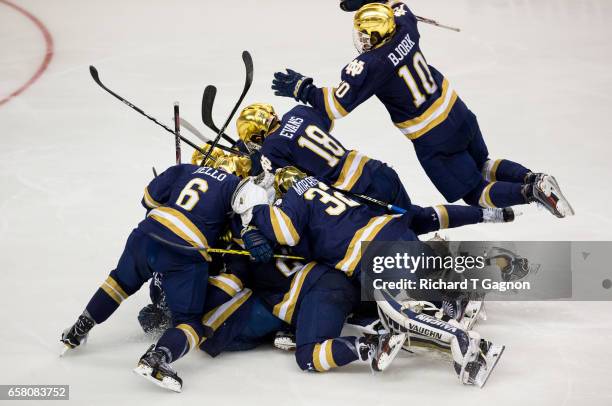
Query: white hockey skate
x,y
478,361
380,350
285,340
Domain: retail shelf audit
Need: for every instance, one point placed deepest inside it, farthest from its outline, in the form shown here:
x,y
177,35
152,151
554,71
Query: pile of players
x,y
301,205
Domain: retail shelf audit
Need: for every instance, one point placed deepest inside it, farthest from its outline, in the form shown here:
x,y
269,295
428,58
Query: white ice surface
x,y
74,161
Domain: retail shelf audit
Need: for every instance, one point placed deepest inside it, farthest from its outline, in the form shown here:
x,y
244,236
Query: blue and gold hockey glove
x,y
292,84
354,5
257,244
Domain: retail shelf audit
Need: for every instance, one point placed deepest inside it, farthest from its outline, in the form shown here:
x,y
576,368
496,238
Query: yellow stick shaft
x,y
243,252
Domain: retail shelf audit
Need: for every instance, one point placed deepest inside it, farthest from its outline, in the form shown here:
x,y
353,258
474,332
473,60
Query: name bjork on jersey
x,y
291,127
402,50
213,173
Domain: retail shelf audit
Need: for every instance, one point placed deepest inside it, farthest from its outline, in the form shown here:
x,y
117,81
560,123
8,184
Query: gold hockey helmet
x,y
286,177
373,25
197,156
234,164
254,123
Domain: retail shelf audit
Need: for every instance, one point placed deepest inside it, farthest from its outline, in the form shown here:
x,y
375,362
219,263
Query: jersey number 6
x,y
189,197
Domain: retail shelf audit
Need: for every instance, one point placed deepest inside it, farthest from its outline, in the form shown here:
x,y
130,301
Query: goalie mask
x,y
255,122
373,25
285,178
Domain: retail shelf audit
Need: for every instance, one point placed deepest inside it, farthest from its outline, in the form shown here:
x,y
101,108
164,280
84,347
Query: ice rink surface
x,y
74,161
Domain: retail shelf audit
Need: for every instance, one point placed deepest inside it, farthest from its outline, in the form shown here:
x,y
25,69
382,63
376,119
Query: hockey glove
x,y
292,84
354,5
257,244
153,318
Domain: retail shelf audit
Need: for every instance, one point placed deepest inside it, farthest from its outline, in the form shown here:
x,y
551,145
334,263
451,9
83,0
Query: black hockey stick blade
x,y
96,77
208,100
248,64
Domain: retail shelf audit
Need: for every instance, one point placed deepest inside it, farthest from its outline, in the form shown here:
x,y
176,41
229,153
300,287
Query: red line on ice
x,y
48,52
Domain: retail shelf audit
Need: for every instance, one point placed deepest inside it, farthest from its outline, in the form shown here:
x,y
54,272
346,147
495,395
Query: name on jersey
x,y
291,127
401,50
302,186
212,172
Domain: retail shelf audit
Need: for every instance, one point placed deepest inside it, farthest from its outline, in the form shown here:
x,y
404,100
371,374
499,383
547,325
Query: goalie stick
x,y
96,77
209,97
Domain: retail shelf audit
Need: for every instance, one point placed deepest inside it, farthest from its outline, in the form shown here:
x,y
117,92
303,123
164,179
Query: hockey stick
x,y
377,202
437,24
94,74
369,199
209,97
177,133
215,250
154,172
207,114
191,128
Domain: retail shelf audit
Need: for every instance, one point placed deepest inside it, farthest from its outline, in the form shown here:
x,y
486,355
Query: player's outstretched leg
x,y
131,273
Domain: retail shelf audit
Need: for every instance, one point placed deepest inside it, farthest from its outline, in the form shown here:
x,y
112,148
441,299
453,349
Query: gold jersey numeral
x,y
425,76
189,197
319,142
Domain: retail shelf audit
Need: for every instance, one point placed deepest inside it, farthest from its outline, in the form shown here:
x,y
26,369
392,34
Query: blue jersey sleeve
x,y
158,192
403,14
284,223
275,154
359,81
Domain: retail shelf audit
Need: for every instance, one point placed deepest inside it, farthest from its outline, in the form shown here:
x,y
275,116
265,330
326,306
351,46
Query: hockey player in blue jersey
x,y
186,205
329,227
424,106
302,138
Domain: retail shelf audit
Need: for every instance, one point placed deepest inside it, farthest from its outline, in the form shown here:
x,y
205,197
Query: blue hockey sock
x,y
505,171
328,354
177,341
502,194
106,299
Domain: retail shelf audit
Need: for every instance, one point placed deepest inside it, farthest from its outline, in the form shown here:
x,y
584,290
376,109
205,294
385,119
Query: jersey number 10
x,y
427,82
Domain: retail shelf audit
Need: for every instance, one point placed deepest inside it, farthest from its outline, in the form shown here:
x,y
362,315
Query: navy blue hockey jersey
x,y
419,99
191,203
303,140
